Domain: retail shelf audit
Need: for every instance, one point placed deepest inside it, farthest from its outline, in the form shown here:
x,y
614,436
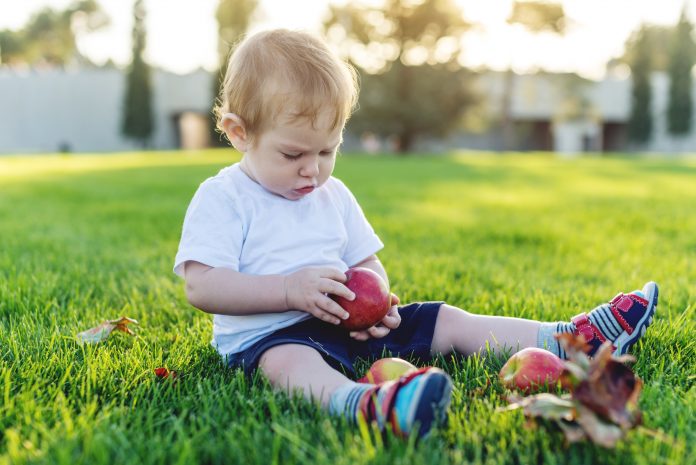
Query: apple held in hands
x,y
387,369
372,299
530,369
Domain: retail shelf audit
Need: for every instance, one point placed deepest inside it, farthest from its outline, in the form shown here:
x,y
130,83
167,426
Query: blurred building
x,y
81,110
567,114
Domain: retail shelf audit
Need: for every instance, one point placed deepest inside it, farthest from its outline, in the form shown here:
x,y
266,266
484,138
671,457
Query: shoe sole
x,y
625,340
435,396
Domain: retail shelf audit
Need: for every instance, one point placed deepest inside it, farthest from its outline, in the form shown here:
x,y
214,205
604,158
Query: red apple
x,y
372,299
387,369
531,368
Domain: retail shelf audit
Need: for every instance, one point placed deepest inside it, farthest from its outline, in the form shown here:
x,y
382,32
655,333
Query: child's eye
x,y
291,156
326,152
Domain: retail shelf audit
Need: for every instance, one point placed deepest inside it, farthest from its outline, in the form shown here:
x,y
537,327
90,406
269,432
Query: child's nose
x,y
311,168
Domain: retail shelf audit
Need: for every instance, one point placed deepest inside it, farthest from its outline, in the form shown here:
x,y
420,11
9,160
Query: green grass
x,y
85,238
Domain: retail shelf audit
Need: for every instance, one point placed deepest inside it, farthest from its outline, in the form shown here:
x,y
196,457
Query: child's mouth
x,y
305,190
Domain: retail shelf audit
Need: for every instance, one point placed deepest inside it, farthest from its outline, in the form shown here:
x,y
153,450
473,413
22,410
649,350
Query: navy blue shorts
x,y
412,339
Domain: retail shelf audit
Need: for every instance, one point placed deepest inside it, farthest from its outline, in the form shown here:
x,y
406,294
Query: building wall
x,y
662,141
54,110
81,111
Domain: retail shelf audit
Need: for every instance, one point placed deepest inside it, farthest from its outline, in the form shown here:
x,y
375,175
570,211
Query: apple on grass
x,y
387,369
530,369
372,299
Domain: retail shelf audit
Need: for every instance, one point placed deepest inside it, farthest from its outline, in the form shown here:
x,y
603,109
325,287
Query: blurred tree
x,y
233,17
11,47
407,52
681,61
659,39
408,101
51,36
138,121
640,121
537,17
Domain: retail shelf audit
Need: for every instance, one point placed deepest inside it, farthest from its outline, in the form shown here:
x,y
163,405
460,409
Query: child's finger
x,y
328,305
395,299
330,286
360,335
378,331
392,320
324,316
333,273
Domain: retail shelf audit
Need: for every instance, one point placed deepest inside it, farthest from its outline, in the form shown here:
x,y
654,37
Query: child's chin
x,y
291,195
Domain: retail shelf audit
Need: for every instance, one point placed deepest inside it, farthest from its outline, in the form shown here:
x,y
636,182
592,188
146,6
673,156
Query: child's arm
x,y
229,292
372,262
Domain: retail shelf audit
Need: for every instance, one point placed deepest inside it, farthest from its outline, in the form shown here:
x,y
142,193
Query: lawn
x,y
86,238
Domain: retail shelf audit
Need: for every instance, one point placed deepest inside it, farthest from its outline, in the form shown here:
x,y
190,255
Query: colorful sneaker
x,y
622,321
413,403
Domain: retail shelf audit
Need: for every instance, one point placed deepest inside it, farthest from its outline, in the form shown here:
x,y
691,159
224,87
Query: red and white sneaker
x,y
623,320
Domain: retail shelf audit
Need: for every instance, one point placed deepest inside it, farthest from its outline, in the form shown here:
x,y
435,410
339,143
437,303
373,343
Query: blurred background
x,y
571,77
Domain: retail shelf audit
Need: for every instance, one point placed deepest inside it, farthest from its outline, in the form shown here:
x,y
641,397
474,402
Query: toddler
x,y
268,239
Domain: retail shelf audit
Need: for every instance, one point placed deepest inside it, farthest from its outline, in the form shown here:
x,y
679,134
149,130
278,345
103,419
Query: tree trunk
x,y
406,140
507,124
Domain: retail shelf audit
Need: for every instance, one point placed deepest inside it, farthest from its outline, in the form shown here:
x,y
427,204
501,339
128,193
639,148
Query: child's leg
x,y
418,401
292,367
467,333
622,321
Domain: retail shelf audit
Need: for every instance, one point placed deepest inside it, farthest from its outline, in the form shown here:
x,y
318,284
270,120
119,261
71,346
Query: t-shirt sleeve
x,y
362,239
213,231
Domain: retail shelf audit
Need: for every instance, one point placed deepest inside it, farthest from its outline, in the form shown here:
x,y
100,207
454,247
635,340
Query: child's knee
x,y
277,361
448,313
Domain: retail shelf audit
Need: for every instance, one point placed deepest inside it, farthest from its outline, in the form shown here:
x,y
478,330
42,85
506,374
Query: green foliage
x,y
233,18
536,17
397,46
86,238
49,35
640,123
539,16
681,61
138,122
412,100
659,39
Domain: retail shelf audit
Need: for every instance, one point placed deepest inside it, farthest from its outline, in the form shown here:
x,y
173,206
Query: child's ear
x,y
236,131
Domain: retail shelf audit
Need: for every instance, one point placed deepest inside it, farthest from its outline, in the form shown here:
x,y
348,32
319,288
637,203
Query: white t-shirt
x,y
233,222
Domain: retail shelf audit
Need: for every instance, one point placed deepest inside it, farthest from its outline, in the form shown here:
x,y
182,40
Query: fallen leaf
x,y
601,432
576,348
610,390
102,331
544,405
573,431
163,373
603,400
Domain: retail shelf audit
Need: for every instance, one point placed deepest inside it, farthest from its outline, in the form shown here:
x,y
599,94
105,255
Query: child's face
x,y
292,158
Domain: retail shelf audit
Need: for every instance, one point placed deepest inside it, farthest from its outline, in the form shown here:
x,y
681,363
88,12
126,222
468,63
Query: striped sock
x,y
346,399
601,317
546,339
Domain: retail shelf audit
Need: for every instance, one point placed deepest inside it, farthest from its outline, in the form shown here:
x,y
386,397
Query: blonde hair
x,y
280,71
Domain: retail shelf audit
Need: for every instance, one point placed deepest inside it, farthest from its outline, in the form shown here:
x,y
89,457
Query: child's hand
x,y
391,320
307,290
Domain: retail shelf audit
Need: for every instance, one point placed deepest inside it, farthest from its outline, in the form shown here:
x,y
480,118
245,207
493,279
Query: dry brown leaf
x,y
603,400
163,372
599,431
544,405
610,390
102,331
